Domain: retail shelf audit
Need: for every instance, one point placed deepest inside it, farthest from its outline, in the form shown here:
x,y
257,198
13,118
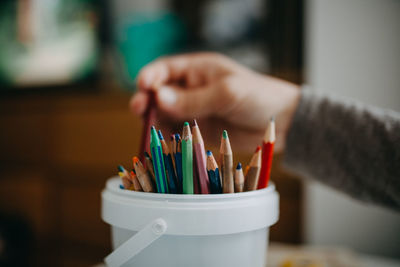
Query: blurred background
x,y
67,71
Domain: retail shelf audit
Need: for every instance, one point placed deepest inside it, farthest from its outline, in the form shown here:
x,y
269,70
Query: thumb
x,y
186,103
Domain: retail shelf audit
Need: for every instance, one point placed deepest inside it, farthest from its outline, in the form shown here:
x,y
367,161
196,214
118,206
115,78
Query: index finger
x,y
163,71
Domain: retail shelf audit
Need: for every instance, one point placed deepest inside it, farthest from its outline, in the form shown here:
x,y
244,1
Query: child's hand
x,y
220,94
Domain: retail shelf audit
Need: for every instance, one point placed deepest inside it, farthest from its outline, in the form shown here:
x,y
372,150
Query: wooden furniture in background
x,y
58,149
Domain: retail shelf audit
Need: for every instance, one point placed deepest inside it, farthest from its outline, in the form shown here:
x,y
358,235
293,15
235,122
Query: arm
x,y
351,147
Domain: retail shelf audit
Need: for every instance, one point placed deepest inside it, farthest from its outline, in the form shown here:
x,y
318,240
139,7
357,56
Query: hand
x,y
220,94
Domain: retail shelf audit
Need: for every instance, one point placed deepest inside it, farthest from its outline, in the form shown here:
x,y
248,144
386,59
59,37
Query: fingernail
x,y
167,95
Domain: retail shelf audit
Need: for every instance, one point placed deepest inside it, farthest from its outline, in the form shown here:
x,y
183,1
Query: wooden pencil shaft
x,y
251,180
172,151
227,175
164,147
226,163
150,169
126,182
125,177
253,174
239,180
143,177
135,182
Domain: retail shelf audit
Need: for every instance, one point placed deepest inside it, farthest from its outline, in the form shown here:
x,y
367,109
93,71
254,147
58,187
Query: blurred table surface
x,y
282,255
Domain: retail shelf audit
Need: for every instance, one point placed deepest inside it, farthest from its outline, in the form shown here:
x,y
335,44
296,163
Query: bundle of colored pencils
x,y
184,167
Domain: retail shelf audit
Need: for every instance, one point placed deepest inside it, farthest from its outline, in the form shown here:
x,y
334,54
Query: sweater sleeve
x,y
349,146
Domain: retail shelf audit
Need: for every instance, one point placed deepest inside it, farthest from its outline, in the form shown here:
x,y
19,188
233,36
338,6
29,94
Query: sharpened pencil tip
x,y
258,148
135,160
177,137
239,166
225,134
186,123
194,123
153,128
209,153
172,137
146,154
160,135
134,171
120,168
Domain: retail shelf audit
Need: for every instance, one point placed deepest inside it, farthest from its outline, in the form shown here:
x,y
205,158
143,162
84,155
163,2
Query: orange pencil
x,y
142,175
135,182
253,173
267,155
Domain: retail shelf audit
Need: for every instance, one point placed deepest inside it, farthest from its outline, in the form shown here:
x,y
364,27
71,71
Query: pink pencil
x,y
199,161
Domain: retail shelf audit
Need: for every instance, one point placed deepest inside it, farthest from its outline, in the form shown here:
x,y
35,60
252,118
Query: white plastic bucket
x,y
169,230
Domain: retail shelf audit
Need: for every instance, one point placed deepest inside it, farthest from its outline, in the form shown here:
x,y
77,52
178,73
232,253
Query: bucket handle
x,y
147,235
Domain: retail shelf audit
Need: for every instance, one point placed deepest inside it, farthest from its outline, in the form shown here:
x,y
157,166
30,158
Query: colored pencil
x,y
199,158
149,118
226,163
126,181
142,175
129,181
213,174
187,160
169,167
251,180
158,162
135,182
172,148
246,170
239,178
149,167
267,155
178,161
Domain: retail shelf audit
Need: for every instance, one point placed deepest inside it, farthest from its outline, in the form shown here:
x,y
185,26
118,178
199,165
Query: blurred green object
x,y
46,43
145,37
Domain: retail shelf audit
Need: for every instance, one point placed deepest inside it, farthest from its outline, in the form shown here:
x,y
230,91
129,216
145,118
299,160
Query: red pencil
x,y
267,154
149,119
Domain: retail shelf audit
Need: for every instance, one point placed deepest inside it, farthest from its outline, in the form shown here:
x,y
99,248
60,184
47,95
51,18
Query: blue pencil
x,y
158,162
213,174
169,167
178,161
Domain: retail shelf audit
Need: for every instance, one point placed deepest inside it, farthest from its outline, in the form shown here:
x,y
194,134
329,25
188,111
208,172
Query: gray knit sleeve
x,y
349,146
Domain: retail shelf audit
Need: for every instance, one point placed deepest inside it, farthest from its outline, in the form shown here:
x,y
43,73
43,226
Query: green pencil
x,y
187,159
158,162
